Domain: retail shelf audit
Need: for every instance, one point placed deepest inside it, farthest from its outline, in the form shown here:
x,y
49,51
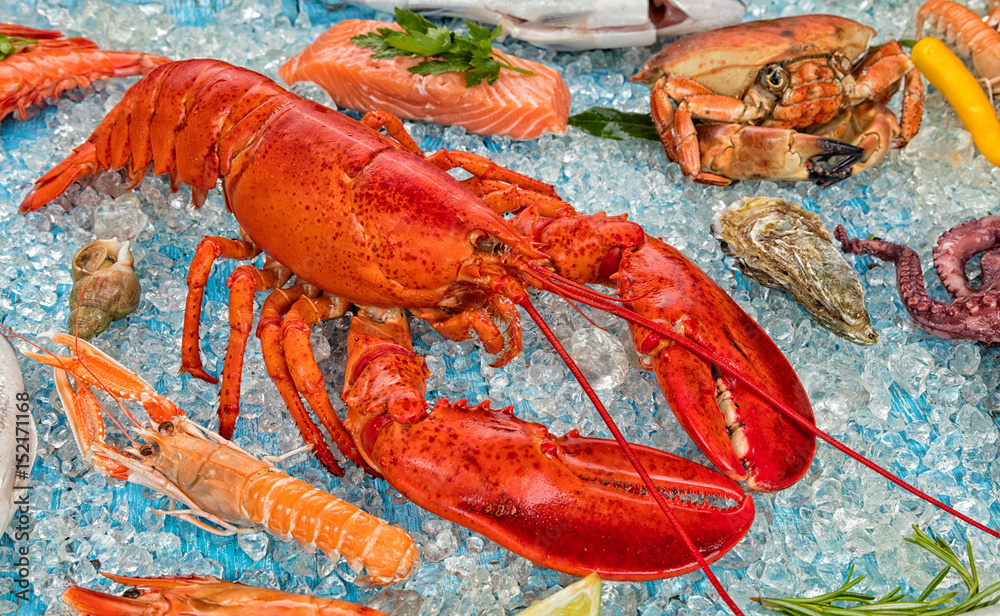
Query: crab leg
x,y
558,501
729,148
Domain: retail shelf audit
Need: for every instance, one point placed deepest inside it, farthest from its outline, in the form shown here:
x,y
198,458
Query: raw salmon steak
x,y
516,105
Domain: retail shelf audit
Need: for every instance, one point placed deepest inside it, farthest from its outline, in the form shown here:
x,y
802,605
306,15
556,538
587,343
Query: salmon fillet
x,y
518,106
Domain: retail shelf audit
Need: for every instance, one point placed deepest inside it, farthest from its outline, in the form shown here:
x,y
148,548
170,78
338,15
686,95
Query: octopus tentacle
x,y
957,246
975,316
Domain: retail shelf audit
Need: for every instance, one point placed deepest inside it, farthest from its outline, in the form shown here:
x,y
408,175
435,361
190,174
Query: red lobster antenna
x,y
596,300
724,364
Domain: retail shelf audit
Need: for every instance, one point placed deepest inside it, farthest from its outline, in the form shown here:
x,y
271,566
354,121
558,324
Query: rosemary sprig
x,y
10,45
472,55
893,603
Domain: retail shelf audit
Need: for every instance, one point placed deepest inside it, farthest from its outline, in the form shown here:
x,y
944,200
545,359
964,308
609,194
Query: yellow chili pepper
x,y
946,72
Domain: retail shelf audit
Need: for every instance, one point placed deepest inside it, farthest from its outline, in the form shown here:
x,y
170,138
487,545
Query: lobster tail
x,y
207,109
78,165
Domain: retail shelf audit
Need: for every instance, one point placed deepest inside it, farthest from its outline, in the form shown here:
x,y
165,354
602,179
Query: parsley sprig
x,y
472,55
10,45
894,603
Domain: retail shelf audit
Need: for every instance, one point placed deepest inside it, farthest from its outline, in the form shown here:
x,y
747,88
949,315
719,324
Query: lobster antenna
x,y
544,275
627,449
727,366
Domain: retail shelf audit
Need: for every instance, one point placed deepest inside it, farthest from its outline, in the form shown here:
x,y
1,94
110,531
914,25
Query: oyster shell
x,y
784,246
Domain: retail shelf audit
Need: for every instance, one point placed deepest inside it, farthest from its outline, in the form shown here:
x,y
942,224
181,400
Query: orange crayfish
x,y
45,64
366,219
223,489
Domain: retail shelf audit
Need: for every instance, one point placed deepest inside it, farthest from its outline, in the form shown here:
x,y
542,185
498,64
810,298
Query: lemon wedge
x,y
582,598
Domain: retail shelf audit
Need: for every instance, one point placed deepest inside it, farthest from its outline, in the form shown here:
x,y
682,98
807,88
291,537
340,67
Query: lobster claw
x,y
736,425
729,385
573,504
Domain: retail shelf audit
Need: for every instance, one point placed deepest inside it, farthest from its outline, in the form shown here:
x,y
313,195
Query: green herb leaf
x,y
614,124
893,603
472,55
10,45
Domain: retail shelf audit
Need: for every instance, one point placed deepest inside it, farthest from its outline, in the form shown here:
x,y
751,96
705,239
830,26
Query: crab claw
x,y
754,152
572,504
741,431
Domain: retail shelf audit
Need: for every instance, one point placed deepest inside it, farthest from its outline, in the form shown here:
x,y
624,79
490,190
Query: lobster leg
x,y
306,376
481,168
281,322
209,249
485,169
556,501
277,304
377,120
243,283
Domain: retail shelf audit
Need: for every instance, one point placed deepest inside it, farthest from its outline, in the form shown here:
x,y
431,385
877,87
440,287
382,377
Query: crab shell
x,y
728,60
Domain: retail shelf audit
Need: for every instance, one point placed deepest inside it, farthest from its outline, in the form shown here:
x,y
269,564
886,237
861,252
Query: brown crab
x,y
771,99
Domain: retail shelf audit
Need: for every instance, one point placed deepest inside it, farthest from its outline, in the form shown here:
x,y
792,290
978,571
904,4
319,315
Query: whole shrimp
x,y
195,595
969,34
45,65
225,489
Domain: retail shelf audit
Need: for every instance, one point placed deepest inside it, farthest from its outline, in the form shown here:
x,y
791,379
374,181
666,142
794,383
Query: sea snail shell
x,y
105,287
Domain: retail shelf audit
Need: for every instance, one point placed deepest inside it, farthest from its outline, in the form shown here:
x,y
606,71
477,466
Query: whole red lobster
x,y
366,219
45,64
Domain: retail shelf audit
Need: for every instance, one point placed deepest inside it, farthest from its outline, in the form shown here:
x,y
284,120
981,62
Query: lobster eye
x,y
166,427
774,77
483,241
149,449
132,593
840,63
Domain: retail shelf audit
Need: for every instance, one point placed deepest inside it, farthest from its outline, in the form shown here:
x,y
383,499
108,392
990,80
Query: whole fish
x,y
784,246
574,25
18,440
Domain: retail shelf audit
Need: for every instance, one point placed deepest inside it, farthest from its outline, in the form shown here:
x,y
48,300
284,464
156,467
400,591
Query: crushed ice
x,y
923,406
